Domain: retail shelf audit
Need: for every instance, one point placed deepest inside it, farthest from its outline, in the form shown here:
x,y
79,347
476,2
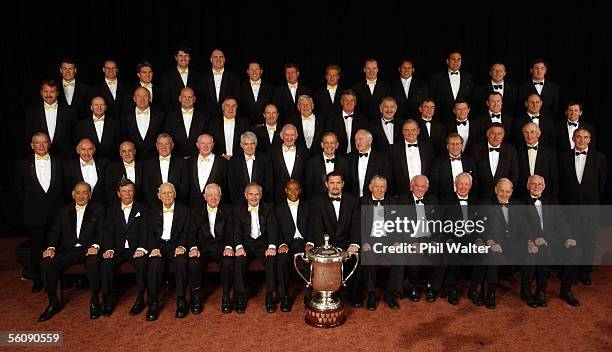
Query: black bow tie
x,y
579,153
363,154
412,145
463,200
496,86
418,201
347,116
378,202
426,121
538,83
388,122
332,160
491,149
464,123
535,147
503,205
496,116
454,73
534,199
575,124
534,117
455,158
334,199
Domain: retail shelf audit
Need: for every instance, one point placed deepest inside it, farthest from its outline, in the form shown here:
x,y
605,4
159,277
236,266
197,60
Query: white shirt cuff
x,y
142,249
355,244
95,246
192,248
229,247
272,246
238,247
310,243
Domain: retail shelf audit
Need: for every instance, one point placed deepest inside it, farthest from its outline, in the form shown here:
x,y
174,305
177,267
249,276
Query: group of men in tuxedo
x,y
328,150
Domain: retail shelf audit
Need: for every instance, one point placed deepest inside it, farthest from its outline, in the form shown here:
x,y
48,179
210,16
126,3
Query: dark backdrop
x,y
35,36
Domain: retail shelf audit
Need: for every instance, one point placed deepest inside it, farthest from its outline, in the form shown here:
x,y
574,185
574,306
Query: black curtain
x,y
36,35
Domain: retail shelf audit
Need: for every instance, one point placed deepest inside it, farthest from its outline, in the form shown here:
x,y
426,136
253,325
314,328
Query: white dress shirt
x,y
112,86
422,230
149,87
89,172
126,216
308,127
218,77
570,131
495,119
371,85
99,126
293,90
130,171
68,90
534,118
348,128
329,167
271,130
332,92
187,119
455,82
532,155
184,75
293,208
167,225
289,158
255,85
249,164
428,125
388,128
51,118
164,167
464,132
228,133
143,119
362,168
406,82
255,228
337,207
43,172
456,168
212,219
499,90
204,168
580,161
413,159
539,87
79,223
493,158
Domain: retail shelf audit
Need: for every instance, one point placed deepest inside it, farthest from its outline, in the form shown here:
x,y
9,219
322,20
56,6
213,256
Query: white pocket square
x,y
393,212
137,215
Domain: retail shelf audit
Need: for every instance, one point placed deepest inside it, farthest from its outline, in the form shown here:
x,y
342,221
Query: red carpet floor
x,y
414,327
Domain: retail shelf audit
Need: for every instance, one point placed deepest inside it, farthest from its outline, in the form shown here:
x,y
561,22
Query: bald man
x,y
186,124
86,168
219,83
102,130
142,124
128,168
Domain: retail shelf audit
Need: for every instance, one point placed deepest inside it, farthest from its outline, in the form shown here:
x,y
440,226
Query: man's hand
x,y
539,241
570,243
308,247
270,252
479,242
179,251
194,253
352,249
497,248
108,255
283,249
92,251
156,253
138,253
228,252
240,252
366,247
49,253
226,157
531,247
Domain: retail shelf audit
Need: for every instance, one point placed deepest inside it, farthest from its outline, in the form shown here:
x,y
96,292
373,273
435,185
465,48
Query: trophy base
x,y
325,318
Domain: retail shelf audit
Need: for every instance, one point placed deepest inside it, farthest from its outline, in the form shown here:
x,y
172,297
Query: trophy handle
x,y
354,268
303,256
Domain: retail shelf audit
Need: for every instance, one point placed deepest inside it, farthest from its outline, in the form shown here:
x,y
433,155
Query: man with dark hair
x,y
219,83
116,94
327,99
255,94
408,91
286,95
174,80
547,90
144,72
449,85
75,93
370,91
104,131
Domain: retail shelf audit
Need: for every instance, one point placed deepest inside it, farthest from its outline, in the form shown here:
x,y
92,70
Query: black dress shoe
x,y
570,299
181,308
49,312
453,297
490,301
107,308
270,306
285,304
94,311
226,305
153,312
137,307
540,300
307,299
196,305
586,280
431,295
475,297
37,286
371,303
240,305
391,302
413,294
356,303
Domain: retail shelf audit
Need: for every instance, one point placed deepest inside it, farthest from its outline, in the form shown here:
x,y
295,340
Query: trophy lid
x,y
328,253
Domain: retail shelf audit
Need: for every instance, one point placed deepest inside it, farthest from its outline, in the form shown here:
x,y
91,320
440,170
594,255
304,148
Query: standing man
x,y
347,122
268,134
388,128
75,93
178,78
327,99
143,124
309,126
205,169
102,130
219,84
186,124
432,131
497,84
255,95
86,168
247,167
446,168
289,161
449,85
116,94
370,91
227,130
144,72
537,159
565,129
408,91
547,90
319,166
286,95
127,168
364,162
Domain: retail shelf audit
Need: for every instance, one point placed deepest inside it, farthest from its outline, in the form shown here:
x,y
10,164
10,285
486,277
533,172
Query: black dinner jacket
x,y
550,97
156,98
280,171
507,166
263,139
548,136
506,120
283,100
315,175
437,137
286,225
35,121
440,89
218,175
563,143
114,173
230,87
123,97
378,164
179,232
215,128
315,147
369,103
145,148
251,109
238,177
172,84
546,165
442,183
81,97
111,136
267,226
511,235
399,165
39,207
556,228
199,234
408,107
392,210
72,175
335,123
475,136
117,231
593,178
481,95
343,231
380,142
178,175
63,234
185,146
323,104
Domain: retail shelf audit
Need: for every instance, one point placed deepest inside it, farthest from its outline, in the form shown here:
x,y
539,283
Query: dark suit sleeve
x,y
603,172
316,229
19,181
99,236
272,228
56,230
237,226
194,228
183,235
229,229
356,224
108,239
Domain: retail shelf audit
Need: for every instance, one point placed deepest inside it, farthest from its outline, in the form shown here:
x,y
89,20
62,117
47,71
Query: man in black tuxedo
x,y
127,168
54,119
547,90
582,174
449,85
186,124
320,165
293,221
205,169
494,160
327,99
211,239
102,130
75,93
174,80
268,134
125,240
75,237
445,168
309,126
168,239
255,237
164,168
497,84
86,168
534,114
144,72
552,237
535,158
39,189
377,204
346,122
289,161
410,158
364,162
219,83
470,129
255,95
432,131
370,91
286,95
116,94
143,124
408,91
565,129
387,129
250,166
495,113
227,129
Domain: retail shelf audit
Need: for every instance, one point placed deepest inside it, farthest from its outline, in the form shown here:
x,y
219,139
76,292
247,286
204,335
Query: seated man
x,y
255,236
74,238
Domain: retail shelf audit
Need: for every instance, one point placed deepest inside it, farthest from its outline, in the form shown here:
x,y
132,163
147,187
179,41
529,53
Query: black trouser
x,y
254,252
442,265
38,241
51,269
109,267
156,270
285,264
215,254
395,281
